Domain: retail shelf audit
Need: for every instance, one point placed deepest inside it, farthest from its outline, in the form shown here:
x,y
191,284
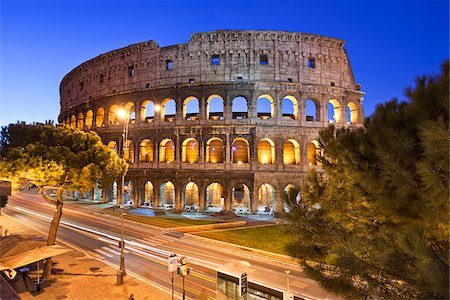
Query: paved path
x,y
79,276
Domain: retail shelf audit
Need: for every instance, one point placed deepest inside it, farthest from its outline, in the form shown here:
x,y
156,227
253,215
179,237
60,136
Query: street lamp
x,y
123,115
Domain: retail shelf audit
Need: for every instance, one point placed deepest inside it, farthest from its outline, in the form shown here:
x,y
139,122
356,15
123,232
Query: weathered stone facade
x,y
258,148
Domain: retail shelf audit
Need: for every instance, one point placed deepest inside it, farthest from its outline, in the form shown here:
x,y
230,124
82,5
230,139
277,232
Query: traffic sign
x,y
172,260
243,285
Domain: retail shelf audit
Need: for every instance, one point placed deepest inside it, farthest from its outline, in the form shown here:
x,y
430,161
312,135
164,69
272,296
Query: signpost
x,y
172,267
243,285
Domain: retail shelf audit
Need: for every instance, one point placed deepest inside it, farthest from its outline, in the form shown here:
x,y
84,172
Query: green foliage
x,y
376,221
57,156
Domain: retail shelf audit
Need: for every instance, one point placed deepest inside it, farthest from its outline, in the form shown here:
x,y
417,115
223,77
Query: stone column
x,y
178,205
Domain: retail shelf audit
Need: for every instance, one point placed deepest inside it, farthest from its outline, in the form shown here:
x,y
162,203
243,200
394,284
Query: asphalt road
x,y
148,247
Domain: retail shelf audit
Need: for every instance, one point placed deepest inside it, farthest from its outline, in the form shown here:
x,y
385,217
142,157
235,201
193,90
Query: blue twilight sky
x,y
389,43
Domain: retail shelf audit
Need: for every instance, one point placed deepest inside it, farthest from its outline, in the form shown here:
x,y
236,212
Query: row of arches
x,y
215,151
214,110
213,197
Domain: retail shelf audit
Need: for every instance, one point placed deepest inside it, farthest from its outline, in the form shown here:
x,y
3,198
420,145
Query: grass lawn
x,y
268,238
162,221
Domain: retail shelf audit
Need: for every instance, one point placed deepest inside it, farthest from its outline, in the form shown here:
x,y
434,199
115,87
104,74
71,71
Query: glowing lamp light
x,y
157,108
121,113
234,148
240,162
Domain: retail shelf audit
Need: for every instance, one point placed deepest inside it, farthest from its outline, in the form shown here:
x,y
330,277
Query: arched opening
x,y
167,192
240,151
100,117
80,122
113,146
289,107
147,111
266,199
352,113
214,197
266,152
112,115
168,110
130,108
191,108
146,151
73,122
189,151
191,199
239,108
265,107
89,119
113,193
128,152
147,194
167,151
291,152
128,193
240,199
312,111
214,107
313,151
214,151
291,195
334,111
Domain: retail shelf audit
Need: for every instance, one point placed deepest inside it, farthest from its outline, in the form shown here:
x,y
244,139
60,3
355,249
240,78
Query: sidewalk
x,y
78,276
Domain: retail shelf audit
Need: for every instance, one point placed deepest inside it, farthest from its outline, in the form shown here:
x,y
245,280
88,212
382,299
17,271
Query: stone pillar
x,y
104,198
178,205
279,203
252,196
136,193
227,149
227,198
156,194
201,197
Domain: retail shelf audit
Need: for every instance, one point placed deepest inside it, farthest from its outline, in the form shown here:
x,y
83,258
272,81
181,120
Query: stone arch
x,y
312,109
147,194
240,151
128,192
266,152
167,192
265,107
214,197
191,108
73,122
128,151
147,111
112,145
313,151
352,113
291,152
80,121
240,198
289,107
334,111
130,108
167,151
190,151
100,117
112,115
89,119
291,190
214,150
168,110
191,200
215,107
146,151
239,108
266,199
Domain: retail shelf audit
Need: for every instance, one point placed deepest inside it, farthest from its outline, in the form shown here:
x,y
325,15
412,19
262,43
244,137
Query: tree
x,y
59,157
375,221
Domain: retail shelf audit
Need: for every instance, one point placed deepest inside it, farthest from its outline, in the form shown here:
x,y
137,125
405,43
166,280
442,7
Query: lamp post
x,y
124,115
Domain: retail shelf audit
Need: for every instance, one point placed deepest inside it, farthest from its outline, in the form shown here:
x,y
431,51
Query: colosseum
x,y
226,122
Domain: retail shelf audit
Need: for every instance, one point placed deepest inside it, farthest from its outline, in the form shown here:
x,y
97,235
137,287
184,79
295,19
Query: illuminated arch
x,y
167,192
191,108
214,107
131,110
128,151
167,151
291,152
113,146
214,151
265,107
146,151
240,198
168,110
352,113
266,198
191,199
147,111
266,152
100,117
239,108
334,111
89,119
80,121
313,151
112,115
190,151
214,197
73,122
240,151
147,194
312,110
289,107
